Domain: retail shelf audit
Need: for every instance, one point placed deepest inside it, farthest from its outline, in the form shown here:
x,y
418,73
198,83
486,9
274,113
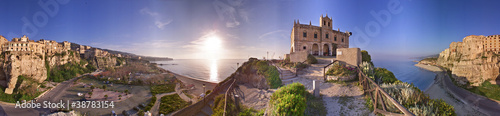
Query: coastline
x,y
196,83
437,90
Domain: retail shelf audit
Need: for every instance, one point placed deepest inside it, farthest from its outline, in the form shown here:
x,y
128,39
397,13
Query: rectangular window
x,y
326,35
315,35
335,38
305,34
342,39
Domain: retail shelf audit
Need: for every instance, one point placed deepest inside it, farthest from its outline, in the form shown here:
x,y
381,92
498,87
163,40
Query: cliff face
x,y
30,65
468,62
17,64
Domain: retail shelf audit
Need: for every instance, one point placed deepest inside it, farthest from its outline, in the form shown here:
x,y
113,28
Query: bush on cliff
x,y
311,59
384,75
365,57
289,100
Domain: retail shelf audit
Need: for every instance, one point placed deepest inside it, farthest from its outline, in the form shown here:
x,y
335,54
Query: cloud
x,y
158,20
270,33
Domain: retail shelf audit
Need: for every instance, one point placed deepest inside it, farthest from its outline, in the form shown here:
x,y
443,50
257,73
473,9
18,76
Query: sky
x,y
238,29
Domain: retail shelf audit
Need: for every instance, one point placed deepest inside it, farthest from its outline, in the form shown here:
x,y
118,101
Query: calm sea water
x,y
208,70
406,71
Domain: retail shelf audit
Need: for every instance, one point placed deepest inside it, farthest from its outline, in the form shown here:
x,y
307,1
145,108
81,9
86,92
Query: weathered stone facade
x,y
318,40
471,61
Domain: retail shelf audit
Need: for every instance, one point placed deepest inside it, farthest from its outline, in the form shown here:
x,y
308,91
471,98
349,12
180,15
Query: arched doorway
x,y
334,49
326,50
315,49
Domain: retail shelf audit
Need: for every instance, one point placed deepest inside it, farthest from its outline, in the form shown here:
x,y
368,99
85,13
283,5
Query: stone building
x,y
23,44
492,43
320,40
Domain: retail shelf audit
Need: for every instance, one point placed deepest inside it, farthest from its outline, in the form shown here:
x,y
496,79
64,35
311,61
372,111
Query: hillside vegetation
x,y
406,94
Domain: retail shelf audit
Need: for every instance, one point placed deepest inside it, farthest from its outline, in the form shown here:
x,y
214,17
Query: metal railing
x,y
379,97
225,96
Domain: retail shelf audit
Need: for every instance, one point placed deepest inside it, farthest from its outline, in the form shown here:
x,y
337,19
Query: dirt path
x,y
339,99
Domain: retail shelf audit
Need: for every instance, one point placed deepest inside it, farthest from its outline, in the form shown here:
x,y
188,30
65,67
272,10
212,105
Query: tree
x,y
106,97
366,57
126,92
90,94
104,87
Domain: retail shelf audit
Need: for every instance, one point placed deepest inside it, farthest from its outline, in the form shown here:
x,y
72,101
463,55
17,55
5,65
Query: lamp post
x,y
204,88
204,93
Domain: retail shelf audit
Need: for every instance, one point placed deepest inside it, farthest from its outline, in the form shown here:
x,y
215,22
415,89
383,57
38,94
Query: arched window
x,y
304,34
342,39
315,35
328,24
335,38
304,47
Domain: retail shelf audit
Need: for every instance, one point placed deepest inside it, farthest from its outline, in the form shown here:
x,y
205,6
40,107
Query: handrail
x,y
277,67
225,102
365,81
324,69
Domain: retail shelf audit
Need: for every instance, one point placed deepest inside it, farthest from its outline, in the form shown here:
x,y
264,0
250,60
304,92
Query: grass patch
x,y
165,88
171,103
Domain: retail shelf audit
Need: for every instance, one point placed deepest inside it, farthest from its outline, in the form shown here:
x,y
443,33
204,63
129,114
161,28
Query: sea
x,y
203,69
218,70
406,71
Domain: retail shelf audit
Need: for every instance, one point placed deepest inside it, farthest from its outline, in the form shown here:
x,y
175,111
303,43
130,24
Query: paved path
x,y
481,103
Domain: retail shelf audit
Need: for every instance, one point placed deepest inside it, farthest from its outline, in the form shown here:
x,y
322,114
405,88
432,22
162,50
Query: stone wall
x,y
351,56
299,56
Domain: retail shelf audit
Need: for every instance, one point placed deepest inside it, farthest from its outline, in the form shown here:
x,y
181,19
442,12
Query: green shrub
x,y
300,65
165,88
311,59
270,72
218,107
365,57
385,75
171,103
289,100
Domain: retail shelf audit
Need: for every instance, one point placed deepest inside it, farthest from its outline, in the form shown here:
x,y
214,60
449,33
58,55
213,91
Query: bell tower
x,y
326,22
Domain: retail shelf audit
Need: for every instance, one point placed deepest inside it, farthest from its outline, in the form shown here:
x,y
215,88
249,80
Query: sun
x,y
212,46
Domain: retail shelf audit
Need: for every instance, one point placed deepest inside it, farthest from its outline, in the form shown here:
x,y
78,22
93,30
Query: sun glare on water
x,y
212,48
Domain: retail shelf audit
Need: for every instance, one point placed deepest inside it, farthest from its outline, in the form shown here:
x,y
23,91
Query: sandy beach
x,y
437,91
198,84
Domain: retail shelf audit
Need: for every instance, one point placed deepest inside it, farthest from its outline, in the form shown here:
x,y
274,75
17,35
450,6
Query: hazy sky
x,y
182,28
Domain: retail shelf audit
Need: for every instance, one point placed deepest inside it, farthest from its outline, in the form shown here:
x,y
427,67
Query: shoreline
x,y
196,83
431,68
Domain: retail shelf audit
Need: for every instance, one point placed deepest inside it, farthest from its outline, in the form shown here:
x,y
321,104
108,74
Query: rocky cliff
x,y
469,62
248,75
16,64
